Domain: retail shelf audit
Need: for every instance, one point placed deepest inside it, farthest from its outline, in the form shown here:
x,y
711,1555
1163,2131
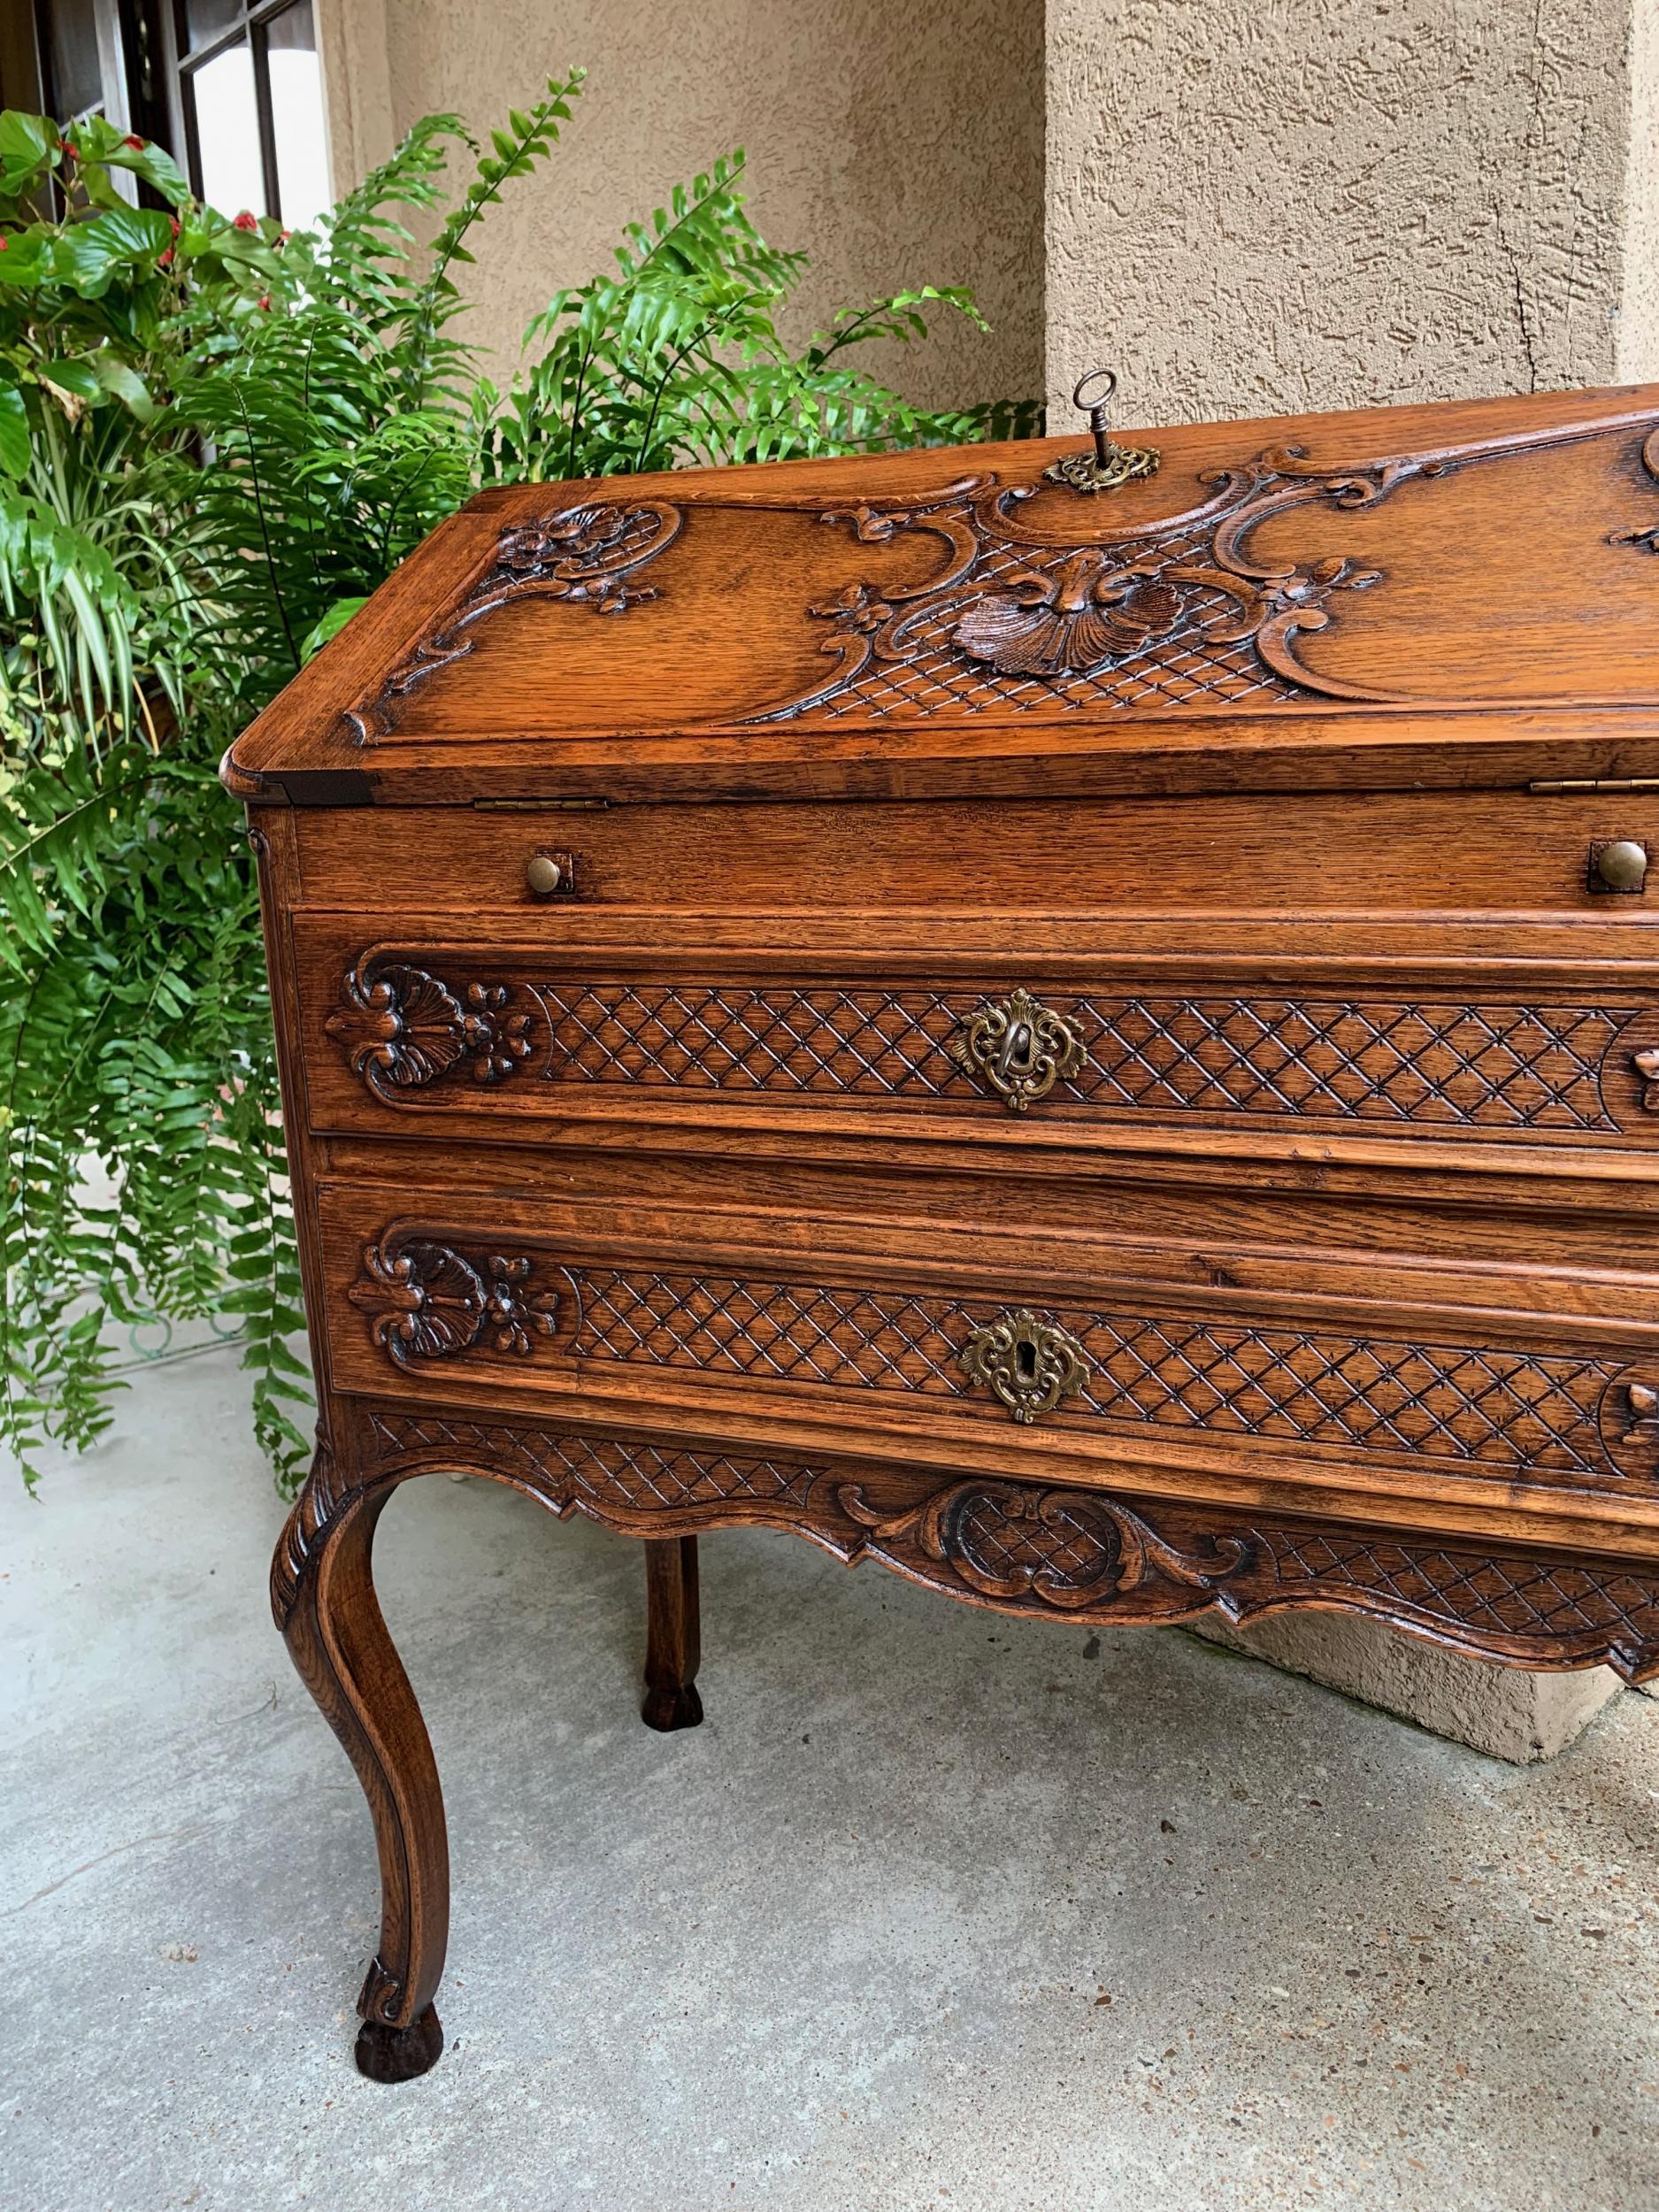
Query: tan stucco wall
x,y
897,146
1347,201
1638,346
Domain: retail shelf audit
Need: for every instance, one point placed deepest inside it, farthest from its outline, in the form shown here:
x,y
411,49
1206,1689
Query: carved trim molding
x,y
1168,612
1067,1547
1042,1548
586,553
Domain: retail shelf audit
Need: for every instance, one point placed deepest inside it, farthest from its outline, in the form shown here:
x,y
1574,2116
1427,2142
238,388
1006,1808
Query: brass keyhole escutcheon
x,y
1030,1364
1019,1046
1109,464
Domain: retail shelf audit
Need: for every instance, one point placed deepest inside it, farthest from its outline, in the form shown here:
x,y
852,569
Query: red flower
x,y
245,221
164,261
265,301
136,143
5,245
174,221
63,147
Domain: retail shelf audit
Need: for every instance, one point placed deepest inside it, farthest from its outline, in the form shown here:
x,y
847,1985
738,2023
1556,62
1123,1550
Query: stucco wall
x,y
897,146
1255,207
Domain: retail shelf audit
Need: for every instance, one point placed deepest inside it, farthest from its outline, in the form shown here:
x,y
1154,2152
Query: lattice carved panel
x,y
1444,1064
1521,1411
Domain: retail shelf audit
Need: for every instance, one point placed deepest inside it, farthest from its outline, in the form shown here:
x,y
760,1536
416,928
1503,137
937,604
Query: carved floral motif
x,y
425,1301
403,1028
587,554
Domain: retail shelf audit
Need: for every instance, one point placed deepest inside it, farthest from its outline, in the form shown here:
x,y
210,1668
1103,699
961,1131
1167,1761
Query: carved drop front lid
x,y
1459,557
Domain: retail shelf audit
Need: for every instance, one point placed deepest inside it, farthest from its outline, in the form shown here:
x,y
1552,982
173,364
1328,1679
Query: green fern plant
x,y
216,440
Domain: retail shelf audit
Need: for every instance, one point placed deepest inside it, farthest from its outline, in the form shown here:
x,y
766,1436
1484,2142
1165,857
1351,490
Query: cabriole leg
x,y
323,1595
672,1635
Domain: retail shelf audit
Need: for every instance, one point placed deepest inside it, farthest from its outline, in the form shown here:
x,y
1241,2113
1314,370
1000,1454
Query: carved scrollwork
x,y
1067,1547
425,1301
587,554
1031,1366
1073,613
1647,1065
327,1493
1019,1046
1646,536
403,1028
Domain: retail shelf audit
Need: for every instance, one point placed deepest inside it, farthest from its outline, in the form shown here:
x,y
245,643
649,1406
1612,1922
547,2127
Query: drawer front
x,y
1516,1376
1486,1037
1444,852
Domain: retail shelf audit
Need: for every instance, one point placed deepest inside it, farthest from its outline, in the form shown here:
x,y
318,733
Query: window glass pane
x,y
205,20
296,113
228,132
77,77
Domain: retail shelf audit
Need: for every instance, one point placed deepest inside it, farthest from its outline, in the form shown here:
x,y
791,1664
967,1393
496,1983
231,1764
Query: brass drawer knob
x,y
543,875
1030,1364
1019,1046
1620,866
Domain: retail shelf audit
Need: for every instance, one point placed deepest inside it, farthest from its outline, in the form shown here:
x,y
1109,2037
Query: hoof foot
x,y
399,2054
668,1709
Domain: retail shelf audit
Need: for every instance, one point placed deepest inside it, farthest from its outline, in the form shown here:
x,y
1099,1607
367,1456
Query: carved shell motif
x,y
425,1301
1080,617
402,1027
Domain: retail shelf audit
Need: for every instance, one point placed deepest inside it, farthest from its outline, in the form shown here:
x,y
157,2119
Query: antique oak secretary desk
x,y
1099,1047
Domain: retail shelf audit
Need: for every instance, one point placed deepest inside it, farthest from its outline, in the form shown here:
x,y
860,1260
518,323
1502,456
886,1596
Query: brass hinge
x,y
1594,783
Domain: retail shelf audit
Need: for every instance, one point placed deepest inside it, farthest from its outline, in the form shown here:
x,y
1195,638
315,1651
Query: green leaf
x,y
15,448
77,378
28,147
114,375
330,625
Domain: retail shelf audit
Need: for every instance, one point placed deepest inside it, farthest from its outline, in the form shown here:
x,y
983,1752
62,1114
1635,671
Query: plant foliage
x,y
216,439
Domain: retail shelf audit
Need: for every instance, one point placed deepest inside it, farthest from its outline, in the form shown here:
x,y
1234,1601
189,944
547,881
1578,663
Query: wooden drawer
x,y
1448,851
1074,1353
1364,1038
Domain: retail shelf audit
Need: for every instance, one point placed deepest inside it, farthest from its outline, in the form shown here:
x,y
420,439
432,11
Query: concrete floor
x,y
934,1910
